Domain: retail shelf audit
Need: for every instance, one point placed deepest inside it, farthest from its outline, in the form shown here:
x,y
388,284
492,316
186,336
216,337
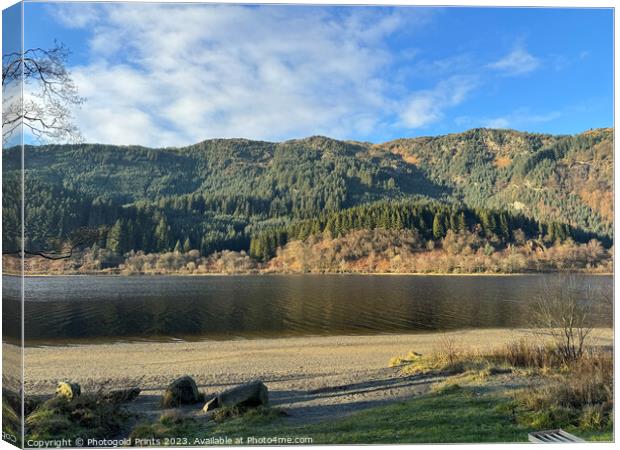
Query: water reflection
x,y
135,308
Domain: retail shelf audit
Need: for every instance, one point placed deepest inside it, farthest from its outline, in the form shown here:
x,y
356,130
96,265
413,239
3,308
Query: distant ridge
x,y
246,185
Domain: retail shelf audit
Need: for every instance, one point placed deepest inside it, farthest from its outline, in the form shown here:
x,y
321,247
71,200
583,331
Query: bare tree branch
x,y
49,94
82,237
564,310
38,94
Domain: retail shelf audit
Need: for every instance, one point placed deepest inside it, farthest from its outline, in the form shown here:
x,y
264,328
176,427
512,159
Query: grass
x,y
450,414
471,412
229,420
10,418
576,395
85,416
258,416
169,425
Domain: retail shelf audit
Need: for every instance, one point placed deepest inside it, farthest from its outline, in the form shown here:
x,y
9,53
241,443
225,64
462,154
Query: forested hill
x,y
563,178
219,193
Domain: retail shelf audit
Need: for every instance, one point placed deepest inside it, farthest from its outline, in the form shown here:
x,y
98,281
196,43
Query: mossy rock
x,y
122,395
68,390
182,391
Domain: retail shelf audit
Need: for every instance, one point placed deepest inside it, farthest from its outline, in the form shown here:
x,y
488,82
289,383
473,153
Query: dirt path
x,y
326,400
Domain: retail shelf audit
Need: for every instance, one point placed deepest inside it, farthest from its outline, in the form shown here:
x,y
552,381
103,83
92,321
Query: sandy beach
x,y
315,376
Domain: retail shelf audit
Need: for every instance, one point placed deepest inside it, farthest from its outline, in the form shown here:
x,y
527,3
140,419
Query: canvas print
x,y
229,224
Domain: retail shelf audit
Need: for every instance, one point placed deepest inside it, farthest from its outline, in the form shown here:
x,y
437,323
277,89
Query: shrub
x,y
526,354
579,394
589,380
593,417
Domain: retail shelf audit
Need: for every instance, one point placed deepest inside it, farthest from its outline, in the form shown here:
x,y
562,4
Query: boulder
x,y
68,390
247,395
211,404
182,391
122,395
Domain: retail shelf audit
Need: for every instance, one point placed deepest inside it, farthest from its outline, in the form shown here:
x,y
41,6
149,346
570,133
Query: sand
x,y
314,377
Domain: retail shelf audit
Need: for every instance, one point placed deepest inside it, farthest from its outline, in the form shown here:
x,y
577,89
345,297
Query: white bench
x,y
552,437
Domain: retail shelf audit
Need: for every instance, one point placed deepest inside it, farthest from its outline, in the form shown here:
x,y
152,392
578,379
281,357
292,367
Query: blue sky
x,y
166,75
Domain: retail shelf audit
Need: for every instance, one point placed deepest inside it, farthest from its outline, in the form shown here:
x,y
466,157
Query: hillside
x,y
562,178
220,194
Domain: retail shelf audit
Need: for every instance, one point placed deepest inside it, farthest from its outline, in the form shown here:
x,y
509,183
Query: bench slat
x,y
552,436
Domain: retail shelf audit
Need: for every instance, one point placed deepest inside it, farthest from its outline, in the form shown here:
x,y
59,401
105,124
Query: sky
x,y
170,75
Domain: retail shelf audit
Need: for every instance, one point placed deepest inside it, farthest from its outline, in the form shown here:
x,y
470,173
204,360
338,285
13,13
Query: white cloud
x,y
517,62
520,118
497,122
428,106
175,74
79,15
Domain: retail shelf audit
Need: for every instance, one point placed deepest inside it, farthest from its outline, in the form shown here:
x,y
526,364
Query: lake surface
x,y
104,308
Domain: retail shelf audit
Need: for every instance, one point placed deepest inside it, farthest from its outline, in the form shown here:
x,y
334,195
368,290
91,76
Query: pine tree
x,y
438,230
504,226
162,235
187,246
461,223
114,241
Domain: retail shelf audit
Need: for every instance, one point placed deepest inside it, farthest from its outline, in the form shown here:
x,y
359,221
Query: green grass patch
x,y
450,414
253,416
169,425
10,418
86,416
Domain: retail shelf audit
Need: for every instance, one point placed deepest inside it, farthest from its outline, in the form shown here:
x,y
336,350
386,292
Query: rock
x,y
247,395
122,395
211,404
68,390
182,391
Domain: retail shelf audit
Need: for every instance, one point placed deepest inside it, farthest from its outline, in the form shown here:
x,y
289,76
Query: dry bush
x,y
449,349
448,359
589,380
580,394
409,358
564,311
527,354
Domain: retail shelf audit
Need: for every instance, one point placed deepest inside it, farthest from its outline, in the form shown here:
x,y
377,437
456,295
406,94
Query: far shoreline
x,y
241,274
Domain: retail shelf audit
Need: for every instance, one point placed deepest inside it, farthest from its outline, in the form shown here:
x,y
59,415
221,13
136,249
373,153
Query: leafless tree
x,y
49,93
43,106
565,309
